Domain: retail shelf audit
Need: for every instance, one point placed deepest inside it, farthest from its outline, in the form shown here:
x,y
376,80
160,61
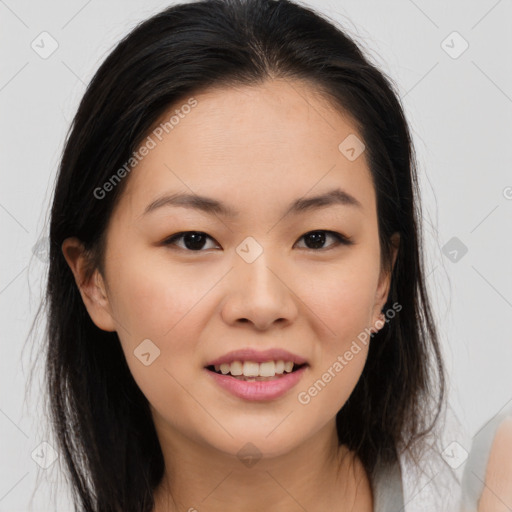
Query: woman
x,y
238,317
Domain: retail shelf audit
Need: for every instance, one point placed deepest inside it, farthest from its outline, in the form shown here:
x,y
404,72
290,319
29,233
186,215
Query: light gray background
x,y
460,111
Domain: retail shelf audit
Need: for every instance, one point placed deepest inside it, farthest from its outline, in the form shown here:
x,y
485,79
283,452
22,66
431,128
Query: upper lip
x,y
257,356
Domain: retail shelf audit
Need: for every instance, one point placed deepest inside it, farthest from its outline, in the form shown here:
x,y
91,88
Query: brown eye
x,y
316,239
193,240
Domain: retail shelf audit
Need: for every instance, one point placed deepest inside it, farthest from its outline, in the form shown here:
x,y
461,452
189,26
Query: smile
x,y
245,370
257,381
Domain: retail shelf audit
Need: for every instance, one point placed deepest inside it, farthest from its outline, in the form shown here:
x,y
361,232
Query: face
x,y
262,277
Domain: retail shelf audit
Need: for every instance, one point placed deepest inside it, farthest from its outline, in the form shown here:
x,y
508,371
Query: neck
x,y
318,474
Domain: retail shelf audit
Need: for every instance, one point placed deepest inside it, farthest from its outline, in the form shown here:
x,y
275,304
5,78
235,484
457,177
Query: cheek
x,y
152,300
343,299
153,303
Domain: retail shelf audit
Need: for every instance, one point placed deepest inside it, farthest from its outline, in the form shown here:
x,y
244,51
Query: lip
x,y
257,356
258,390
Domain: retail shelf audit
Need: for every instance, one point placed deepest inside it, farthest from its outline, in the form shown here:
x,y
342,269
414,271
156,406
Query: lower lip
x,y
258,390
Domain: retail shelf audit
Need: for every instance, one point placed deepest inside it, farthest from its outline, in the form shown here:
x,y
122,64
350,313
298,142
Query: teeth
x,y
267,369
236,368
252,369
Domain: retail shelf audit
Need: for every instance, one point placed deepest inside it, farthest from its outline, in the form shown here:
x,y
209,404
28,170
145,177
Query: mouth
x,y
257,375
251,371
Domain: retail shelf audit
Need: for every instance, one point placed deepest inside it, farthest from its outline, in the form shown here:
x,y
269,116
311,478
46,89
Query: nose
x,y
261,294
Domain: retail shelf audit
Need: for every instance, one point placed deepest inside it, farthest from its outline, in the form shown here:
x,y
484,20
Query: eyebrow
x,y
214,207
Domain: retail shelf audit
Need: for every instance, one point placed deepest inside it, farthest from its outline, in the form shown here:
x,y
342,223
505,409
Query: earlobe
x,y
90,284
395,242
385,283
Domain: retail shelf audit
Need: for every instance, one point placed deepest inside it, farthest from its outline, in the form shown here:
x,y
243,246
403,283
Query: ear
x,y
92,288
384,285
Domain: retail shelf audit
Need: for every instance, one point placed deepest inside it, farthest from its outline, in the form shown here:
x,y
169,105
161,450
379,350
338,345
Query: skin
x,y
256,148
497,493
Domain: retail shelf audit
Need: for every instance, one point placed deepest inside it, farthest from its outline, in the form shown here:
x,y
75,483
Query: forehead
x,y
249,146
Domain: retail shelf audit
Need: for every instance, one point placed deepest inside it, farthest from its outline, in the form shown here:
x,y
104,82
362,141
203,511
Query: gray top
x,y
476,464
425,485
388,494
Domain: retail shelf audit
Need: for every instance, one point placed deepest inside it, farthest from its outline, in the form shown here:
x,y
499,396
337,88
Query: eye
x,y
317,238
195,240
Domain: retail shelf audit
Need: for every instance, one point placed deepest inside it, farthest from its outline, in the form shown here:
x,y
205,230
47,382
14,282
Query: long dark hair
x,y
101,419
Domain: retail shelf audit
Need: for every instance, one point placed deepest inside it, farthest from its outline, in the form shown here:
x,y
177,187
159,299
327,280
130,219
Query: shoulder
x,y
487,460
497,491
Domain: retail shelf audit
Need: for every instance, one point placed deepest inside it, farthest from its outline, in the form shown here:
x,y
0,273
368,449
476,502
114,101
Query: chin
x,y
254,446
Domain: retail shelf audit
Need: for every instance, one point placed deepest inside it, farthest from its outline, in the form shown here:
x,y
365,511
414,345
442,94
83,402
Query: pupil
x,y
318,239
197,243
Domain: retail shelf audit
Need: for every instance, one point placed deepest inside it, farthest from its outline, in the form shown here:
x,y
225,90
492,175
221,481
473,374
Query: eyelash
x,y
341,239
